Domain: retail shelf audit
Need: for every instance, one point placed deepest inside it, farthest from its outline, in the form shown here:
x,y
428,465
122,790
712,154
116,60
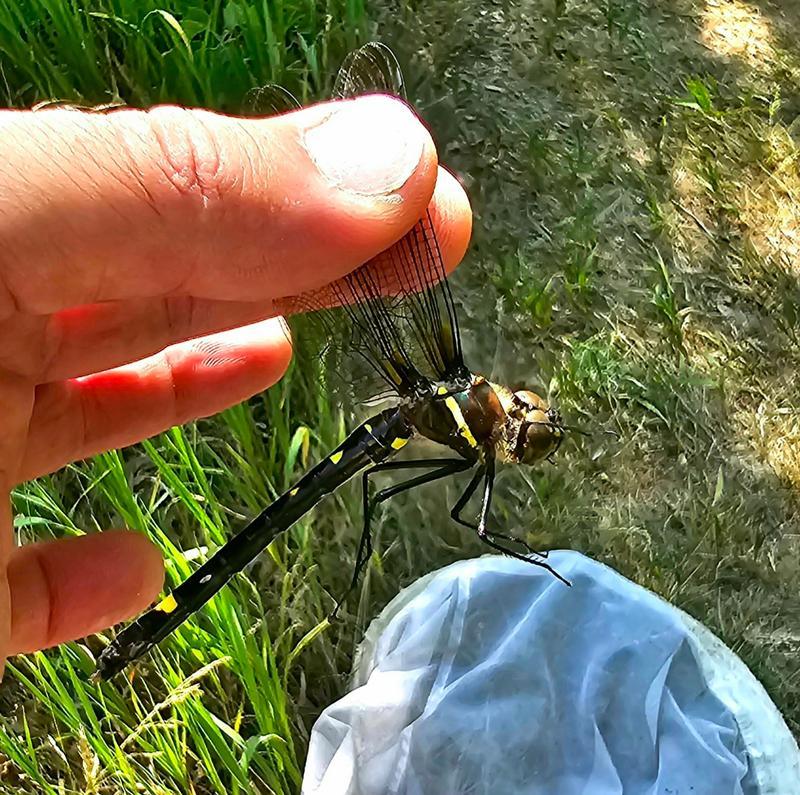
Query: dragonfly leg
x,y
444,467
464,499
488,487
515,540
488,537
455,513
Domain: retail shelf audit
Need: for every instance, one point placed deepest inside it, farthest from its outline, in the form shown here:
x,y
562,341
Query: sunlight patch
x,y
770,203
779,435
731,27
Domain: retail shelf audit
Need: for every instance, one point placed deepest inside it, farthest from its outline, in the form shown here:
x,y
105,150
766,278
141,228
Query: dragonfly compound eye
x,y
538,438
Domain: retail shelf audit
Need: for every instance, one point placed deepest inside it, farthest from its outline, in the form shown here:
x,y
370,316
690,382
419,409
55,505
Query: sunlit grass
x,y
639,233
209,708
141,52
734,28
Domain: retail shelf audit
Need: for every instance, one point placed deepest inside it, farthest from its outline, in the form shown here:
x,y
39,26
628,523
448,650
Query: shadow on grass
x,y
627,163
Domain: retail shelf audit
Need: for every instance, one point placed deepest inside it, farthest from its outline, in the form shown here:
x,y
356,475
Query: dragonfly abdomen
x,y
371,443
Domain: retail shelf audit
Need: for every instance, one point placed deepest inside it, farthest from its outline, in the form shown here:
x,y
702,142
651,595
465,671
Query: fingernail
x,y
371,145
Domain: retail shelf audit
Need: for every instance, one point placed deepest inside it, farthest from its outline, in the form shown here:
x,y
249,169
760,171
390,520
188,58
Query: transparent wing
x,y
371,69
400,310
395,314
269,100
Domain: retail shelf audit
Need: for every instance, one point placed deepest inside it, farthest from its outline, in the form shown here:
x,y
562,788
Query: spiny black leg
x,y
489,538
514,540
455,513
445,468
364,543
488,487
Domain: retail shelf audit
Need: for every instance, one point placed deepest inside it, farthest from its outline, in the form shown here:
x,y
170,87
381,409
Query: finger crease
x,y
49,595
179,314
52,345
181,165
10,304
173,384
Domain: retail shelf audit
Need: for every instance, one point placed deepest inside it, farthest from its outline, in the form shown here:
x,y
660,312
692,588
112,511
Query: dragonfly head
x,y
538,427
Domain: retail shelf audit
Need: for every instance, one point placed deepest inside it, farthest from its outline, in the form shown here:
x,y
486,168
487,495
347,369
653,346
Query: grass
x,y
210,712
633,172
208,54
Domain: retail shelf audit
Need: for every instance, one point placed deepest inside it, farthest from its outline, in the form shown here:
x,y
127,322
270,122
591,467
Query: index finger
x,y
137,204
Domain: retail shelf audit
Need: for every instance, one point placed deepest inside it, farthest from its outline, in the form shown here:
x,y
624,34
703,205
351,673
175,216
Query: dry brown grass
x,y
735,29
636,184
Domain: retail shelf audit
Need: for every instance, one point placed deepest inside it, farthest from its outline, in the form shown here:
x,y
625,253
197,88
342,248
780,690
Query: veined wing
x,y
371,69
397,310
405,286
270,100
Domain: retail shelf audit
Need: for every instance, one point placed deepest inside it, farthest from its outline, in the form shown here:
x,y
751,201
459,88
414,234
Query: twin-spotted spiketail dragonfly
x,y
402,320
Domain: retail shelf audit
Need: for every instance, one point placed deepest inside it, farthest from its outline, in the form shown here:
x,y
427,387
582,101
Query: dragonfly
x,y
401,319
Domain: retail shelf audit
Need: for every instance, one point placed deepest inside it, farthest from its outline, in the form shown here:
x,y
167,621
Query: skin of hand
x,y
141,255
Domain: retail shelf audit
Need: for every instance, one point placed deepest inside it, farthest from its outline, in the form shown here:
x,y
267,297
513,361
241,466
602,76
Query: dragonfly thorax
x,y
481,418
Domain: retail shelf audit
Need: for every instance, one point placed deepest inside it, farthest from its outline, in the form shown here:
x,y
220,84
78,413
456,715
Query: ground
x,y
633,169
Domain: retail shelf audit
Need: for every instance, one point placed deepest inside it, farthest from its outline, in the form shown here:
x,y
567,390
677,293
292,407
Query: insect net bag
x,y
489,676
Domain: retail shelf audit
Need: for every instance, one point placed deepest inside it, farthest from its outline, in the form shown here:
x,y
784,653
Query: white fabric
x,y
490,677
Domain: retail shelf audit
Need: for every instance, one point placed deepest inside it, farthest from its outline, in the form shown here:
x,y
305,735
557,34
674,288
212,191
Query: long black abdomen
x,y
372,442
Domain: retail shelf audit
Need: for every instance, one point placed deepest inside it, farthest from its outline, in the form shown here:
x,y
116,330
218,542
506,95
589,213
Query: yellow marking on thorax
x,y
337,457
293,492
368,427
442,390
399,443
461,423
167,604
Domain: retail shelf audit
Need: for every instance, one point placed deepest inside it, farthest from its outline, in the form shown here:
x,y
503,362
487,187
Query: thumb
x,y
135,204
65,589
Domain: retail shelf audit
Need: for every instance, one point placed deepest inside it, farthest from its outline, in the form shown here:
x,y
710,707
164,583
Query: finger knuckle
x,y
175,400
188,152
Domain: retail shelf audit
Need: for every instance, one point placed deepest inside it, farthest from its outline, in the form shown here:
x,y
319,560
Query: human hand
x,y
141,255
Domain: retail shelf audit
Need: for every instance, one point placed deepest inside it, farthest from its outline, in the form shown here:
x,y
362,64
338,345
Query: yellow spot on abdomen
x,y
337,457
399,443
368,427
167,604
293,492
